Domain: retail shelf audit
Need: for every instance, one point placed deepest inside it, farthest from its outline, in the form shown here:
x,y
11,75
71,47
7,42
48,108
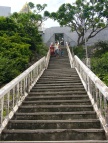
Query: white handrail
x,y
47,58
98,83
12,95
96,89
71,58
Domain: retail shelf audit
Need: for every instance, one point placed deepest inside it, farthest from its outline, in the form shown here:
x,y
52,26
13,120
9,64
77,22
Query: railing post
x,y
2,106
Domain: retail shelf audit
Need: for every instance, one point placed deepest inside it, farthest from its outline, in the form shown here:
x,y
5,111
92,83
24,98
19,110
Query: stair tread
x,y
55,121
56,101
57,92
70,141
55,106
57,113
57,96
50,130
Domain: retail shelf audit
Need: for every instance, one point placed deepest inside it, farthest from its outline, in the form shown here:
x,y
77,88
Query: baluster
x,y
106,109
100,97
8,102
17,92
97,97
20,86
23,87
31,77
28,82
2,107
13,96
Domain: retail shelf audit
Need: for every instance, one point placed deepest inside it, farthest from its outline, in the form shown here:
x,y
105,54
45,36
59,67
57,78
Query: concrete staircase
x,y
56,109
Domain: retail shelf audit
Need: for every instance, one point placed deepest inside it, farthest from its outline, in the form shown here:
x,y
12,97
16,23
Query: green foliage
x,y
7,70
101,48
42,49
99,61
79,51
89,15
19,42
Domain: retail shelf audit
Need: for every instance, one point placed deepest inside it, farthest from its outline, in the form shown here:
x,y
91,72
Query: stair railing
x,y
71,58
47,58
96,89
12,95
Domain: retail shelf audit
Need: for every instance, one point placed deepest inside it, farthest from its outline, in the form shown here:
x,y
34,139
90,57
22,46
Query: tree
x,y
37,9
85,17
29,24
20,43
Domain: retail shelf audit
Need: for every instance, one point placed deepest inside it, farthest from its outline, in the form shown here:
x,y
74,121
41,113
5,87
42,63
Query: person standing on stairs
x,y
60,50
56,47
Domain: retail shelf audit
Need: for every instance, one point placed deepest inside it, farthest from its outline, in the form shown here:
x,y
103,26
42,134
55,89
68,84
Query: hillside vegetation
x,y
20,45
99,58
99,61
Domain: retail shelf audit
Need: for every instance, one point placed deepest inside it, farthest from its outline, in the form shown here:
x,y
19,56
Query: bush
x,y
101,47
79,51
100,67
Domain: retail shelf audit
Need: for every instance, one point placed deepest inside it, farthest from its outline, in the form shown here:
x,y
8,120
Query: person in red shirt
x,y
52,49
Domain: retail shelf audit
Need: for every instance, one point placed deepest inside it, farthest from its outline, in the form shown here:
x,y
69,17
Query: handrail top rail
x,y
99,84
15,81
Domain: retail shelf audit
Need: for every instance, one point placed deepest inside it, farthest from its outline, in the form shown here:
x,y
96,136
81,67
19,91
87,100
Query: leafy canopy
x,y
20,42
83,16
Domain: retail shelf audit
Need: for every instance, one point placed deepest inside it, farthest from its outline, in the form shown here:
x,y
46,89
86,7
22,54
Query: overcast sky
x,y
52,5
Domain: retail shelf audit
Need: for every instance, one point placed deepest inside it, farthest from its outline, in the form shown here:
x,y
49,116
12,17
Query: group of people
x,y
55,49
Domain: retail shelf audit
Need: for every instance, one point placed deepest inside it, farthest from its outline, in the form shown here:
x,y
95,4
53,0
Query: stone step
x,y
55,108
53,134
58,64
33,97
75,141
58,92
59,59
65,62
64,70
37,86
58,67
56,75
60,80
65,57
57,84
61,62
72,77
57,102
60,72
52,81
54,124
73,70
58,89
55,115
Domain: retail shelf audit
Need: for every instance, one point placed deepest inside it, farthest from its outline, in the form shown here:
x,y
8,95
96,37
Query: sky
x,y
52,6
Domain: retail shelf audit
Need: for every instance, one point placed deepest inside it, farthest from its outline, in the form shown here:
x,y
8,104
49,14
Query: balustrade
x,y
96,89
12,95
